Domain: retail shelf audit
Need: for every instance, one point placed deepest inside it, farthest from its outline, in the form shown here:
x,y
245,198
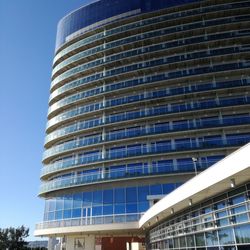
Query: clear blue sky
x,y
27,39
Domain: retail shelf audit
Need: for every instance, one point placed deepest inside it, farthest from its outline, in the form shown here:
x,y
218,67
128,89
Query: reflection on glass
x,y
200,240
226,236
211,238
242,234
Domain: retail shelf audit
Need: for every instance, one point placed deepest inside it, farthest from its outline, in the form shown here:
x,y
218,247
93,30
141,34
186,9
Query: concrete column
x,y
52,243
103,152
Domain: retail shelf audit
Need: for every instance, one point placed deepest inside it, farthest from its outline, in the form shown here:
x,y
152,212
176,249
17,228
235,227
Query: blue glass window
x,y
226,236
134,149
76,212
167,188
77,200
238,199
161,146
97,211
185,164
211,238
134,169
165,166
68,202
59,204
51,216
108,196
156,189
131,194
131,208
108,209
117,171
52,205
58,215
119,195
119,209
143,206
143,192
242,234
97,197
87,198
67,214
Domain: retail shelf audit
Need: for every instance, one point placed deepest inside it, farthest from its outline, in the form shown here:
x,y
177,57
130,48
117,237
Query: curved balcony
x,y
147,94
184,56
171,44
127,27
146,50
148,112
90,40
170,75
160,32
142,23
117,175
207,53
74,144
177,126
143,150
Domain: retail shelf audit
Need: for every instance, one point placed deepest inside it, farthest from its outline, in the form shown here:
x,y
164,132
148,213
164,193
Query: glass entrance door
x,y
87,215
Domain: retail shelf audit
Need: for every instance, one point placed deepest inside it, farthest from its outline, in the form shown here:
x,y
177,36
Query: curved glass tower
x,y
144,95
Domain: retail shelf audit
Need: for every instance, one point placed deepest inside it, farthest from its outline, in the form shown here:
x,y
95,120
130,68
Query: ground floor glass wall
x,y
102,206
222,222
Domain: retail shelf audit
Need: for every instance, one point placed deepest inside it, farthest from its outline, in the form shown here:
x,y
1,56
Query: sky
x,y
27,43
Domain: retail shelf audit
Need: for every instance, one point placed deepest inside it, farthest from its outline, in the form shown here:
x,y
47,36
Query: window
x,y
108,196
87,198
200,240
97,197
77,200
143,206
119,195
242,234
107,210
211,238
156,189
119,209
131,194
131,208
96,211
67,214
76,212
226,236
143,192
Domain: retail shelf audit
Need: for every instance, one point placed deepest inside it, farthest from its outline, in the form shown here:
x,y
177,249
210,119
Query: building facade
x,y
145,94
209,212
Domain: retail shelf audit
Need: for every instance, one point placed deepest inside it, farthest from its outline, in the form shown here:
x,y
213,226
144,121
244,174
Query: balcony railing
x,y
140,24
148,112
166,92
151,130
143,150
120,173
91,220
155,33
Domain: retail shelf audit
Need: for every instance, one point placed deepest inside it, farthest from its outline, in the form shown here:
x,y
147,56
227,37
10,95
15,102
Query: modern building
x,y
209,212
145,94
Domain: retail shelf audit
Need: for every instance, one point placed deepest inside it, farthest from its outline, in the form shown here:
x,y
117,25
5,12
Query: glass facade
x,y
103,206
105,9
139,89
222,222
